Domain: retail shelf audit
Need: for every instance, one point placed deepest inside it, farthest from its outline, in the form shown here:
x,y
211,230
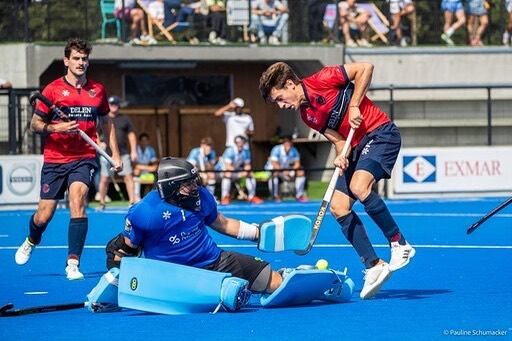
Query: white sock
x,y
250,183
300,182
450,32
225,187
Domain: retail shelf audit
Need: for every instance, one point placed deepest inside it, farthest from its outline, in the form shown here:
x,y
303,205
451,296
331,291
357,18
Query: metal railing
x,y
57,20
392,88
15,116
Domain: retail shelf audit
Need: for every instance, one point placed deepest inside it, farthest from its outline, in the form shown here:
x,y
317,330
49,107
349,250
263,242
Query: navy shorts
x,y
376,153
239,265
57,177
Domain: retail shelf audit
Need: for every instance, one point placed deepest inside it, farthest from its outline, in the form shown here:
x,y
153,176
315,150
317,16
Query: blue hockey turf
x,y
455,285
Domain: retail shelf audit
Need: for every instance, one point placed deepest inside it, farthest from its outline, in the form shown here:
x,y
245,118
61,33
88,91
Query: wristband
x,y
247,231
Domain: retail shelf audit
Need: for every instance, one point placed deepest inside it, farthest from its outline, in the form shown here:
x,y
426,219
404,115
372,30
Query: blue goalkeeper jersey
x,y
169,233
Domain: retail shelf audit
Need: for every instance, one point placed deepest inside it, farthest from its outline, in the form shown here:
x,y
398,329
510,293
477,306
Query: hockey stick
x,y
488,215
37,95
326,199
8,311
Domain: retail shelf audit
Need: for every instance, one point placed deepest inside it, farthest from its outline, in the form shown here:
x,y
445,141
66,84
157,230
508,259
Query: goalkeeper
x,y
170,224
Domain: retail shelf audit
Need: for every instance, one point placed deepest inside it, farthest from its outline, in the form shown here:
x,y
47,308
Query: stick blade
x,y
5,309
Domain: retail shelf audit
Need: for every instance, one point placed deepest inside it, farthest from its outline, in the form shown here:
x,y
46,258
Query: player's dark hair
x,y
275,77
143,135
77,44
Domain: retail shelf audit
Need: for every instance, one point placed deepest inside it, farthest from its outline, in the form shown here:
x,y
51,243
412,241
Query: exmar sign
x,y
455,170
20,179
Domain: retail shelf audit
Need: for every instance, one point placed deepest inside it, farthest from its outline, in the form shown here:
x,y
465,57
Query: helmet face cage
x,y
172,173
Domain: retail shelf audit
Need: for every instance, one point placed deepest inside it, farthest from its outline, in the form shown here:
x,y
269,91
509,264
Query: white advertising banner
x,y
453,170
20,178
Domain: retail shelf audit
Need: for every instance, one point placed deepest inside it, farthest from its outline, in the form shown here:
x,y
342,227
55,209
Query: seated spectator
x,y
146,165
354,23
135,16
399,9
269,17
236,163
156,11
450,9
5,84
508,31
204,158
286,156
477,21
217,21
180,11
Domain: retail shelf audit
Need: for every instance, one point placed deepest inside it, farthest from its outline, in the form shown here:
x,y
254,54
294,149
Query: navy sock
x,y
354,231
35,231
378,211
76,236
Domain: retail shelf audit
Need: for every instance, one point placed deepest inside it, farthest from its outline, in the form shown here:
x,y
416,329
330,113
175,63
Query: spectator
x,y
237,122
127,143
286,156
217,21
134,15
316,11
156,11
477,21
204,158
451,8
270,17
508,31
145,165
179,11
354,21
399,9
236,163
5,84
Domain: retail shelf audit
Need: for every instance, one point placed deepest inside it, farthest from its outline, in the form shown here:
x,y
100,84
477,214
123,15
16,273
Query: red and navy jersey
x,y
83,105
328,93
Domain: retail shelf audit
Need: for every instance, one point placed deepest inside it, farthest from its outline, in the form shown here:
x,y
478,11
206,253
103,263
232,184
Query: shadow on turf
x,y
411,294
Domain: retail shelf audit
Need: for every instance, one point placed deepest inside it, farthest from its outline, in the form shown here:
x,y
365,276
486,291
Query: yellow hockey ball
x,y
322,264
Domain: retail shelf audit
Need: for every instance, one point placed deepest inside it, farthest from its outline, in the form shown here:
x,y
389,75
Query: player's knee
x,y
360,189
275,281
339,209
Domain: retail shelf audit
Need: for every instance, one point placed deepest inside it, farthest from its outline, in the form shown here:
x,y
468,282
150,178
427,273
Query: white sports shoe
x,y
24,251
72,271
373,280
400,255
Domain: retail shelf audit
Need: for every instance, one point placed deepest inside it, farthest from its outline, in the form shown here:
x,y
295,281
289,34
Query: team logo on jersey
x,y
312,119
320,100
166,215
92,93
65,93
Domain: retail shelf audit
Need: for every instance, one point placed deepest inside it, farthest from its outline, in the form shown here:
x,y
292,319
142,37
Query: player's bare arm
x,y
38,125
361,75
235,228
228,107
338,141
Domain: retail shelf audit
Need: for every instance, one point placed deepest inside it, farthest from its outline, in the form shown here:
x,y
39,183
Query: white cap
x,y
239,102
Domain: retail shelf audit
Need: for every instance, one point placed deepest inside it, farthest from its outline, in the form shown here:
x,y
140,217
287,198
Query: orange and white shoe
x,y
255,200
225,201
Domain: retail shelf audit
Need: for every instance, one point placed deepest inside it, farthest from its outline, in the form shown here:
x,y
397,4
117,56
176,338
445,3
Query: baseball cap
x,y
239,102
114,100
